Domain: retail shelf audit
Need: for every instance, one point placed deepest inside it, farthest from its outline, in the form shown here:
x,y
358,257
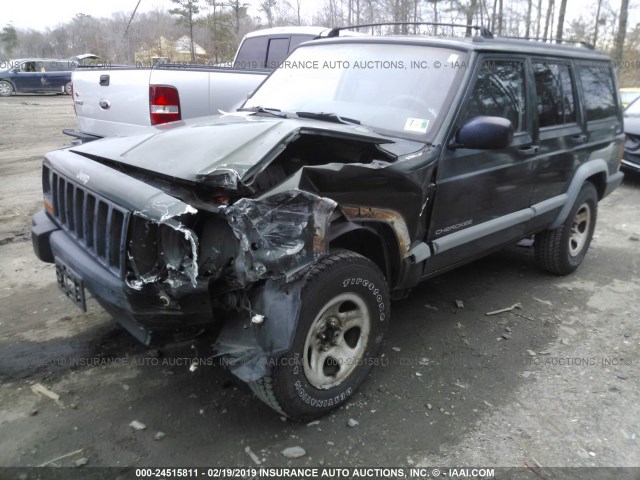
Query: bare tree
x,y
597,23
561,13
622,30
546,23
268,8
528,20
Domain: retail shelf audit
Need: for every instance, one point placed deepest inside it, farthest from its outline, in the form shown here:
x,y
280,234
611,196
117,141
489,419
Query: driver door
x,y
479,193
27,77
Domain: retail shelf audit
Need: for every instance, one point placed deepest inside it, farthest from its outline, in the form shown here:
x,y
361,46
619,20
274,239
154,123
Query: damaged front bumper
x,y
141,311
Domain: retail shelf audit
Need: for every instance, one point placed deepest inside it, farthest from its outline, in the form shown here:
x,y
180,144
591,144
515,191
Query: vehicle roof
x,y
293,30
480,44
299,30
38,59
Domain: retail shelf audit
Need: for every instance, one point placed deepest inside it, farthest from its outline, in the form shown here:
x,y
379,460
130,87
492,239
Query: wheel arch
x,y
375,241
595,172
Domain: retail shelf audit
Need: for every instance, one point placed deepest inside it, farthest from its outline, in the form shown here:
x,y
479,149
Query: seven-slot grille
x,y
98,224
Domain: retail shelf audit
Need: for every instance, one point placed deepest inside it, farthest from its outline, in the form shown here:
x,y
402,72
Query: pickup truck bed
x,y
116,101
127,100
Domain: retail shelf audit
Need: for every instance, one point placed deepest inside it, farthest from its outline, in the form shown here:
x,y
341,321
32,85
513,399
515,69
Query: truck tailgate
x,y
110,101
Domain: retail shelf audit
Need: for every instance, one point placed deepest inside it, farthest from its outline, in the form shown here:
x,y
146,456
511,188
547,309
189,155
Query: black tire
x,y
348,284
67,88
558,251
6,89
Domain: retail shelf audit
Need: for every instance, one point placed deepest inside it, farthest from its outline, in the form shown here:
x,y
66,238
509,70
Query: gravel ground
x,y
553,383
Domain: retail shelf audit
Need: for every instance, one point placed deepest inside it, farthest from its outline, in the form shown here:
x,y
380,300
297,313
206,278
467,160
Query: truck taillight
x,y
164,104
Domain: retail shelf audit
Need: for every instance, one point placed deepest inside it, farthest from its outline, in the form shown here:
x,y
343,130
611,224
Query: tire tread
x,y
264,387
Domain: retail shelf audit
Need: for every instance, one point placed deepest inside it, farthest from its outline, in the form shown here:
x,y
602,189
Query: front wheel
x,y
562,250
344,314
6,89
67,89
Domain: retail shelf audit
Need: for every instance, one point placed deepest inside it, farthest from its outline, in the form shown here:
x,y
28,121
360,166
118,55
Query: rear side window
x,y
297,40
499,92
278,51
555,94
253,53
599,92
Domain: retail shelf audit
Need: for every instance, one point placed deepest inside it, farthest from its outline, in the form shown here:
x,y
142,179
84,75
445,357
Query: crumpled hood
x,y
199,150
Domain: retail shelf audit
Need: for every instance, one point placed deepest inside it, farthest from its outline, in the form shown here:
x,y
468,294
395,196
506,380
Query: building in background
x,y
169,51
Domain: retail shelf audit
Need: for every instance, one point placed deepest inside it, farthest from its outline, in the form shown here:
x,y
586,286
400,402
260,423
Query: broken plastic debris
x,y
137,425
294,452
459,304
39,388
253,456
70,454
505,310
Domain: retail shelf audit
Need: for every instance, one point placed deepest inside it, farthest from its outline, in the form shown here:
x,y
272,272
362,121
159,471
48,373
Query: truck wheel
x,y
343,317
562,250
67,88
6,89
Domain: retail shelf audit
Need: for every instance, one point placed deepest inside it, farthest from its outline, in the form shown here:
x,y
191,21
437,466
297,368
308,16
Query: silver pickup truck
x,y
126,101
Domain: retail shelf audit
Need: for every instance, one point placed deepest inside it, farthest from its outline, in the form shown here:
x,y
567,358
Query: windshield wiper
x,y
328,117
269,111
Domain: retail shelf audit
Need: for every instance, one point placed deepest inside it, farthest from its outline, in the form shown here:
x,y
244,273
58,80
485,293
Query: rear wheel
x,y
6,89
562,250
344,314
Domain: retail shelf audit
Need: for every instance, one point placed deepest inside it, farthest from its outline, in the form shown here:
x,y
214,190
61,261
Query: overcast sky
x,y
39,14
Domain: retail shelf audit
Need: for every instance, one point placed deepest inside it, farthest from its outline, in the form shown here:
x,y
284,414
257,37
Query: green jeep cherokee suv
x,y
360,167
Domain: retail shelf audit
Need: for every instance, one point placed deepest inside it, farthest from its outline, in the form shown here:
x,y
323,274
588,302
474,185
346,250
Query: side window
x,y
278,51
499,92
599,92
253,53
28,67
554,93
297,40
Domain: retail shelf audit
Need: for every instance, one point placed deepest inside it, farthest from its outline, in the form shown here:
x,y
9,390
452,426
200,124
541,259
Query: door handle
x,y
529,150
579,138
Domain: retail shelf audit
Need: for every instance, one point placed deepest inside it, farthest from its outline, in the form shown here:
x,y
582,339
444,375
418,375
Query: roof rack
x,y
551,40
484,31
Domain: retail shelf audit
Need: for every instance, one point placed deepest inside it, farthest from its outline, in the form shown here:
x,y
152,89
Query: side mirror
x,y
484,133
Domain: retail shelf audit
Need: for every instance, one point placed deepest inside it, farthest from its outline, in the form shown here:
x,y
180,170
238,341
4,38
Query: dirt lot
x,y
554,383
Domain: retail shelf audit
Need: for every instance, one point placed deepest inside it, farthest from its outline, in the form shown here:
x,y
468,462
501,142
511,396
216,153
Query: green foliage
x,y
9,39
186,10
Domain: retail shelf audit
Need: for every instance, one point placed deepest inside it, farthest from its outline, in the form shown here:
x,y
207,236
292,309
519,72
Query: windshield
x,y
396,88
